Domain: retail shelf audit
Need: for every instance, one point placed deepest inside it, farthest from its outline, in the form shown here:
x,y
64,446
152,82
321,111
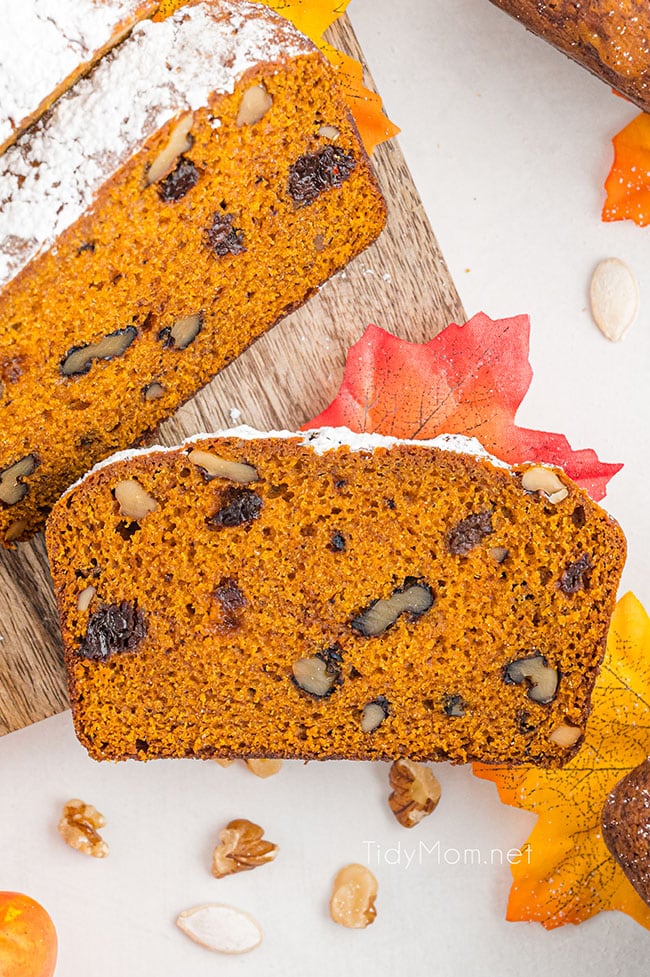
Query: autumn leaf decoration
x,y
467,380
628,183
567,874
313,17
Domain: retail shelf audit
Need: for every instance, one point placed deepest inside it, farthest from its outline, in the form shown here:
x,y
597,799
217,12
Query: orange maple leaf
x,y
567,874
468,380
628,183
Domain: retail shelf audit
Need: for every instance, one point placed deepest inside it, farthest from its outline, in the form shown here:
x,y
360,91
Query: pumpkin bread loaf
x,y
330,595
626,827
609,37
199,184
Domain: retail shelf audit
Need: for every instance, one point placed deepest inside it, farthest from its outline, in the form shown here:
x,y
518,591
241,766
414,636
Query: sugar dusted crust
x,y
247,595
68,36
51,176
611,38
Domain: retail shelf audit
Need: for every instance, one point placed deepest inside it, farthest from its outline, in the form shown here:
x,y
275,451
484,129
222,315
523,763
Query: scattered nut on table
x,y
241,847
221,928
79,826
264,768
416,792
614,298
352,903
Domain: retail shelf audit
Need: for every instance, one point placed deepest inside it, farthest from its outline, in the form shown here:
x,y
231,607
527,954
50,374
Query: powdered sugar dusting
x,y
42,42
319,440
51,175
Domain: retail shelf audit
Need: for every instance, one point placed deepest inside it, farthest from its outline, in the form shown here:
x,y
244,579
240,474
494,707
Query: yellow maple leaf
x,y
313,17
567,874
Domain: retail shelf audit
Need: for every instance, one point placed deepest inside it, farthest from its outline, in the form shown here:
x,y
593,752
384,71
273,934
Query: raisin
x,y
525,723
229,595
86,246
454,706
469,532
179,182
576,576
578,516
313,173
222,237
113,628
337,543
241,506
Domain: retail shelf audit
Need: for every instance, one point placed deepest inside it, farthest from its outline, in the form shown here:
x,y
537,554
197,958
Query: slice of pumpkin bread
x,y
330,595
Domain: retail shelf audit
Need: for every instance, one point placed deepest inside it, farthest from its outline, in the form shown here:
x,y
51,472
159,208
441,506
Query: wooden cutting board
x,y
287,377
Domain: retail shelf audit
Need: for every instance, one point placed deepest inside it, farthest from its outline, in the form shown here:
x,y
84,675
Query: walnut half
x,y
79,826
241,848
416,792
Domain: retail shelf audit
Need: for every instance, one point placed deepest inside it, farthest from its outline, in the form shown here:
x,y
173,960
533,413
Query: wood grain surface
x,y
284,379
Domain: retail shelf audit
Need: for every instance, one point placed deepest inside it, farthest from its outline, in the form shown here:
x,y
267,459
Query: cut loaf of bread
x,y
611,38
203,181
329,595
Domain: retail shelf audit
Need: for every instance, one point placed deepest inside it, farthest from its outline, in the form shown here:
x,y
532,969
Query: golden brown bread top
x,y
609,37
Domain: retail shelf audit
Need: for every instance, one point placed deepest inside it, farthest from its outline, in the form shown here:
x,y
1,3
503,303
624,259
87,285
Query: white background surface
x,y
509,146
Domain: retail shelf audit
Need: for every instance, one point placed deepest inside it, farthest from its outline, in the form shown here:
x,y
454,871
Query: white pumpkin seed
x,y
221,928
614,297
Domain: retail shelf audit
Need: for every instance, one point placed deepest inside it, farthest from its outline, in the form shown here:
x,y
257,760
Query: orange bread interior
x,y
248,595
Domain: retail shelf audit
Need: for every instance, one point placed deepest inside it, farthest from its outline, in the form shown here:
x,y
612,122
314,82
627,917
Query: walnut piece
x,y
215,467
542,680
85,597
374,714
179,142
134,501
416,792
79,359
544,480
352,903
264,768
241,848
413,599
79,826
318,675
565,736
183,331
254,105
12,488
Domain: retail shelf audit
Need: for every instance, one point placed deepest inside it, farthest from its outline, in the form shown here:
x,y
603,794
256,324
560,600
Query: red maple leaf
x,y
467,380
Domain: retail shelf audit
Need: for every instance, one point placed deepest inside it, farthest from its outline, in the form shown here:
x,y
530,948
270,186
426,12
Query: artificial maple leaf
x,y
467,380
313,17
567,874
628,183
